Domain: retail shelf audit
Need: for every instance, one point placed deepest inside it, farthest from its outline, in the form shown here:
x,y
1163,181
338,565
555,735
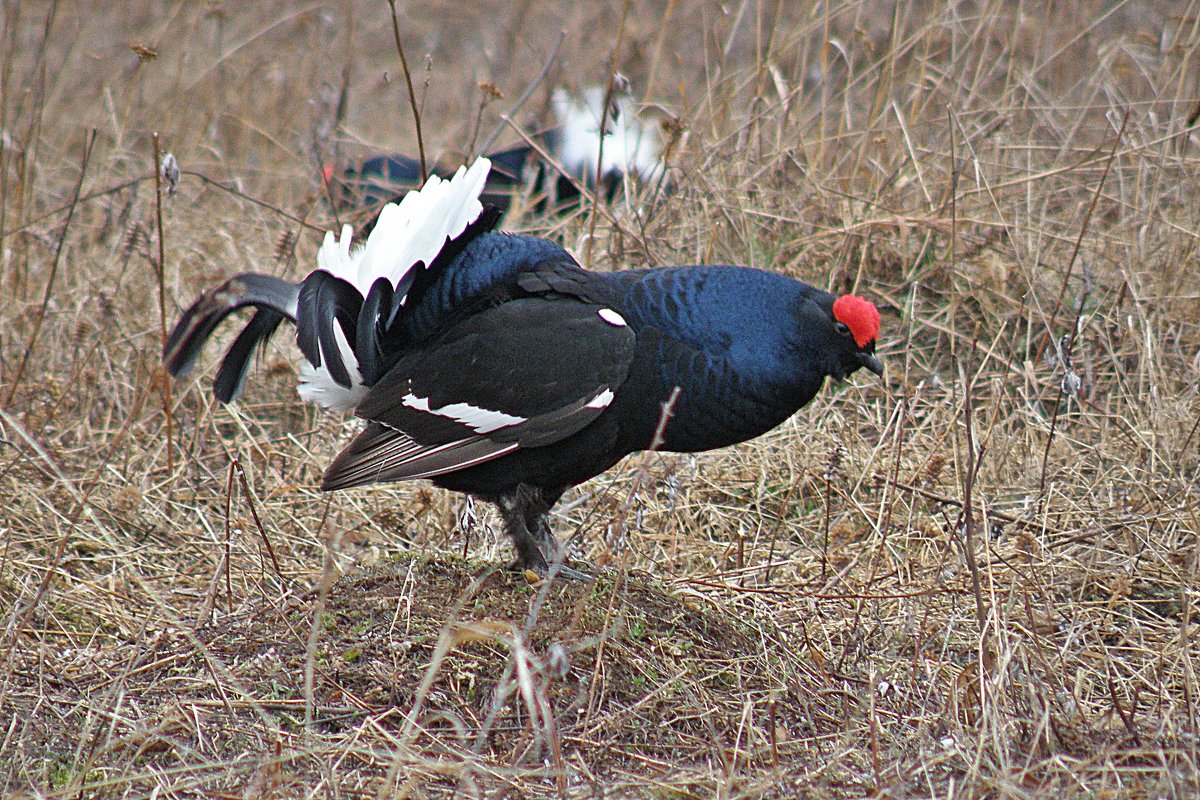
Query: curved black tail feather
x,y
326,300
275,300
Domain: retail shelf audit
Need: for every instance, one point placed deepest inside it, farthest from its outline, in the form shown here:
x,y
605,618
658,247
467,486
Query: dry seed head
x,y
128,499
558,663
1071,383
1025,543
134,237
932,471
468,516
834,467
83,332
144,52
283,246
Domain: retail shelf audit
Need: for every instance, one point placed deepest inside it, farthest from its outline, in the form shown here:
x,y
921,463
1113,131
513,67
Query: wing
x,y
526,373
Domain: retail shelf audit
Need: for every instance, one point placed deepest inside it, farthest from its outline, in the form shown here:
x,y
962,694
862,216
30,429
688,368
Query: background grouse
x,y
494,364
575,147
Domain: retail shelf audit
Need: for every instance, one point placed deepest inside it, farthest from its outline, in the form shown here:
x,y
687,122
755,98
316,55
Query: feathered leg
x,y
525,513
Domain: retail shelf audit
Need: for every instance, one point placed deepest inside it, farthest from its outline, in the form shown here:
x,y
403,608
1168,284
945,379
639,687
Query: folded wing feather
x,y
526,373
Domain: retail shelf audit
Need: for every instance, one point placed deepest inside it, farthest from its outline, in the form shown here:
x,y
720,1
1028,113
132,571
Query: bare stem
x,y
1066,352
608,90
162,315
412,95
541,76
58,251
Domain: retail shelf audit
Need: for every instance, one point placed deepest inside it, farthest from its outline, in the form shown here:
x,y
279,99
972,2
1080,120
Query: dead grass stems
x,y
969,580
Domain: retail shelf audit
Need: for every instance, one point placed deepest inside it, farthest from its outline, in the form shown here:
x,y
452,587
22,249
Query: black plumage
x,y
507,371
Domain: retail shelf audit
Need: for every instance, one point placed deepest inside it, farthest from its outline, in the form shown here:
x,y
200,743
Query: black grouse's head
x,y
839,334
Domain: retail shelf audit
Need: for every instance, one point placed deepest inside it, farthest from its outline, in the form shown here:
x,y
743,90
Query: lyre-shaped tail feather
x,y
275,300
341,323
328,305
231,375
378,311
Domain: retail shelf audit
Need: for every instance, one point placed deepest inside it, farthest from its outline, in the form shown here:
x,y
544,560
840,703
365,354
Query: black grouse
x,y
628,147
493,364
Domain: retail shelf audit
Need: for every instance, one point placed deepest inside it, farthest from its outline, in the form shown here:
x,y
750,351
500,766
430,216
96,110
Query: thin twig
x,y
1126,716
1087,218
827,519
262,532
228,538
608,91
541,76
581,186
159,267
243,196
58,251
126,184
1066,351
328,577
974,460
412,95
668,411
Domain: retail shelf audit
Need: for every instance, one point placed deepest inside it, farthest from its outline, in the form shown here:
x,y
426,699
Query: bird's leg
x,y
515,508
529,552
539,525
537,520
553,551
524,512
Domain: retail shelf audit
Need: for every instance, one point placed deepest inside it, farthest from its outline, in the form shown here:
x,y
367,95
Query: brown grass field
x,y
976,578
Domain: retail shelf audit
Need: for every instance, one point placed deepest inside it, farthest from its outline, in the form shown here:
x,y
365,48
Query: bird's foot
x,y
537,570
571,574
539,553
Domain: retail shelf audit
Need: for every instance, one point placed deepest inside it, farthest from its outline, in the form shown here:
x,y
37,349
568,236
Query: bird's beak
x,y
872,363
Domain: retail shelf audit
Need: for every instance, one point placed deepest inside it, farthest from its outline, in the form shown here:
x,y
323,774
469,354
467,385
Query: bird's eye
x,y
842,328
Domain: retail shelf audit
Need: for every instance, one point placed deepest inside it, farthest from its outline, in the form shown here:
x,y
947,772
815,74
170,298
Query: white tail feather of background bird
x,y
412,232
630,147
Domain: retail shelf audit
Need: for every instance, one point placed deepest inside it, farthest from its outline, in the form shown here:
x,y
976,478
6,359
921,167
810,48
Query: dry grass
x,y
977,578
